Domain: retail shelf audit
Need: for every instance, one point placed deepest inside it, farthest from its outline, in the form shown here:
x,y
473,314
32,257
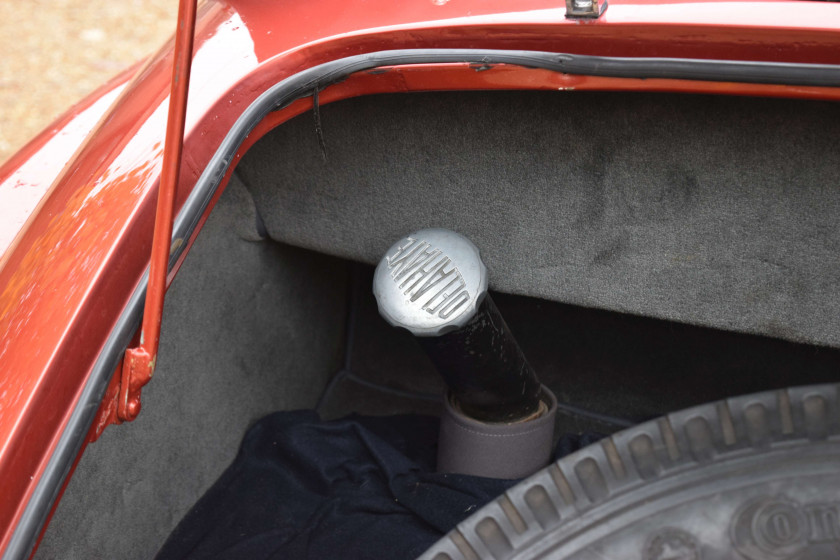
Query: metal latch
x,y
585,9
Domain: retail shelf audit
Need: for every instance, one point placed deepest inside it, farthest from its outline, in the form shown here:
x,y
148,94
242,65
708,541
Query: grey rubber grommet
x,y
517,450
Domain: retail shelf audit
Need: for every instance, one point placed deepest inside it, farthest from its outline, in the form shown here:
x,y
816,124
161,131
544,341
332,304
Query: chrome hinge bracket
x,y
585,9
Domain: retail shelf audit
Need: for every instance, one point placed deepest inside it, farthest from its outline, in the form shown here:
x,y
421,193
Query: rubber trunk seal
x,y
304,84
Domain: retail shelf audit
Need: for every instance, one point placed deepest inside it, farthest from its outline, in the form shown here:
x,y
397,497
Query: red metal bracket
x,y
139,363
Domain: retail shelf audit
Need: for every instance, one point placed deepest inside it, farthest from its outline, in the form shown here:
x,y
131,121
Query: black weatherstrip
x,y
304,84
822,75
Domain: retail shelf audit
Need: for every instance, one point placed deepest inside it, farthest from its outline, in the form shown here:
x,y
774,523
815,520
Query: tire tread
x,y
680,441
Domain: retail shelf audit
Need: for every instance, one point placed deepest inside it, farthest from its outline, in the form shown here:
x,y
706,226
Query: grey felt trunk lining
x,y
715,211
249,328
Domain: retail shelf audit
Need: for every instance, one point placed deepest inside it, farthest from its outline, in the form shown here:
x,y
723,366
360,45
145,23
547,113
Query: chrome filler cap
x,y
431,282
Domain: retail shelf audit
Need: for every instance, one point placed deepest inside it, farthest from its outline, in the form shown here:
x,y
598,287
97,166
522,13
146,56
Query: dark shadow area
x,y
624,366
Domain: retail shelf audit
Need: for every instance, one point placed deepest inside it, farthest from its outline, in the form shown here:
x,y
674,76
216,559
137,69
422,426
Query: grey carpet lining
x,y
249,328
713,211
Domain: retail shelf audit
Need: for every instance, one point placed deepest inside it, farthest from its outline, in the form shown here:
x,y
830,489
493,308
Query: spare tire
x,y
753,478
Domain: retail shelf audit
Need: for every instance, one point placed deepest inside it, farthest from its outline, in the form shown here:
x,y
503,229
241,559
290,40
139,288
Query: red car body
x,y
78,202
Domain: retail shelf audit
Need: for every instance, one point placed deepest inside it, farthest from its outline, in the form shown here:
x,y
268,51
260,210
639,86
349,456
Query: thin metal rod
x,y
173,147
139,363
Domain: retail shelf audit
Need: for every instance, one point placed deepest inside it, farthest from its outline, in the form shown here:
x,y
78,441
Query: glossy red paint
x,y
27,175
139,362
75,264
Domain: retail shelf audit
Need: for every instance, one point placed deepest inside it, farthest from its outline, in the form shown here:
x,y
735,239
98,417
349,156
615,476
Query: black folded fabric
x,y
357,488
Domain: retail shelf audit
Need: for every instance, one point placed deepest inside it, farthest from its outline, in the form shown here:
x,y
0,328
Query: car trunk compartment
x,y
598,215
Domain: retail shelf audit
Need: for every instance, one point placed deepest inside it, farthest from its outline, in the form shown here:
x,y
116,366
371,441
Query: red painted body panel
x,y
72,268
28,174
